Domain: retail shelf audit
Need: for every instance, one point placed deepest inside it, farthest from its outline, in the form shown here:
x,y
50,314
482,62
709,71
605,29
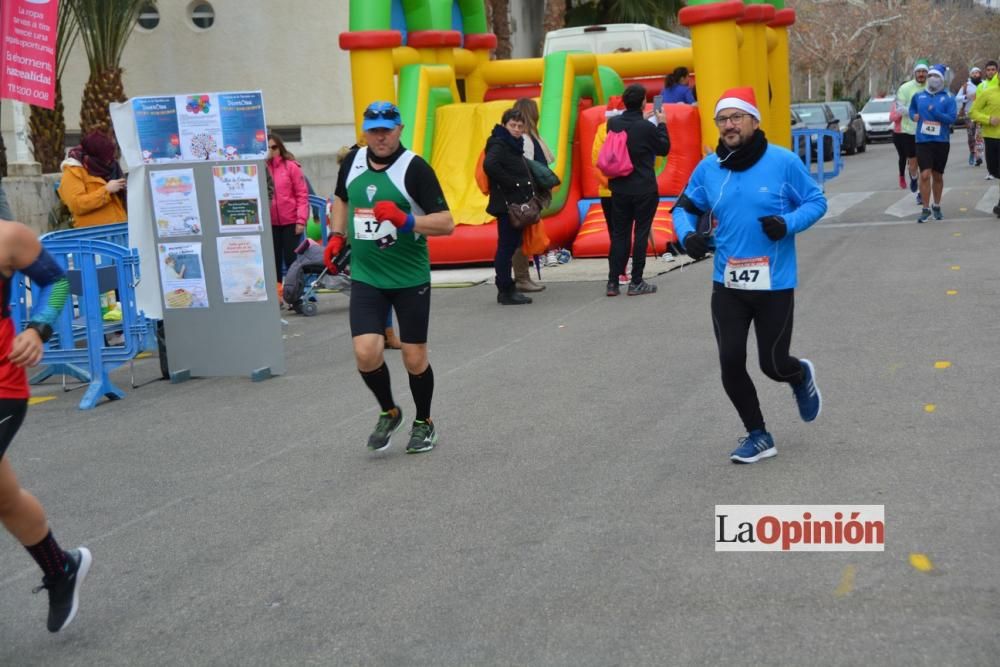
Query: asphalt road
x,y
566,517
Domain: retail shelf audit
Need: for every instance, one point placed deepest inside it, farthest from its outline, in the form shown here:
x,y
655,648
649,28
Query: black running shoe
x,y
423,437
386,426
613,289
64,591
640,289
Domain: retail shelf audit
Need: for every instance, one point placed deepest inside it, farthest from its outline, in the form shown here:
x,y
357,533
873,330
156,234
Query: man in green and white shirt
x,y
388,201
908,125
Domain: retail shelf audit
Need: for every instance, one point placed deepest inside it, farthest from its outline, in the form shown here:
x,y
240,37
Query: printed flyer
x,y
183,275
200,127
237,194
241,267
156,123
175,203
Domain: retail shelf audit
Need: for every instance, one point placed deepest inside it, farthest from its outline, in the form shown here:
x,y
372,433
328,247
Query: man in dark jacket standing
x,y
634,198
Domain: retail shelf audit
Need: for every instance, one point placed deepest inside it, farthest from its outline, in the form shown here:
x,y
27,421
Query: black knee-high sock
x,y
422,388
378,381
49,556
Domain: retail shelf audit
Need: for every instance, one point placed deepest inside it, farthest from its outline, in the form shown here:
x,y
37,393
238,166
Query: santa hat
x,y
922,64
615,107
739,98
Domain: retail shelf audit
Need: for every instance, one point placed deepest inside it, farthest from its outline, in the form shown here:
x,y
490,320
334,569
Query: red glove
x,y
333,248
387,210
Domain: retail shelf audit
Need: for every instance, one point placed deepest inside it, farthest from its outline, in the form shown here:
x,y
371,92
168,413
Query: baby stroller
x,y
308,274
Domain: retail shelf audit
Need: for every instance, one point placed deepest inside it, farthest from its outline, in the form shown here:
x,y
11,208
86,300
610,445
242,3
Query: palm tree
x,y
498,12
105,27
47,127
555,16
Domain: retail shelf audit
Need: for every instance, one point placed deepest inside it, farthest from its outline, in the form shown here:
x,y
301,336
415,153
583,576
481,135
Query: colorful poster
x,y
241,268
237,194
175,203
183,275
156,124
243,128
200,127
28,33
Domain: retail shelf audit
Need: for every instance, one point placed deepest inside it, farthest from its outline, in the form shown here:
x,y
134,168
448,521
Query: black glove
x,y
774,226
696,245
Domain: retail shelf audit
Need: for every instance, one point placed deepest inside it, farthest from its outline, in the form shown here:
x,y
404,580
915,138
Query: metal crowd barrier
x,y
805,141
79,346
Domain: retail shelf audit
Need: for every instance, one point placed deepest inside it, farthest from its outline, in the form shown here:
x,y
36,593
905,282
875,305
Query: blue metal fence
x,y
813,149
94,265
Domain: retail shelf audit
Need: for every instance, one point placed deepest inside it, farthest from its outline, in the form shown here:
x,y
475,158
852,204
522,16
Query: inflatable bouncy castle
x,y
421,53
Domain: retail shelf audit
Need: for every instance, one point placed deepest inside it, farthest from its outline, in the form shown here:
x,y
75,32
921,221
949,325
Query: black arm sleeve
x,y
662,139
686,204
422,184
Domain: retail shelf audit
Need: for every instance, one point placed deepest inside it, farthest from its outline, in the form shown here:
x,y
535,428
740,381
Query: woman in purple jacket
x,y
290,204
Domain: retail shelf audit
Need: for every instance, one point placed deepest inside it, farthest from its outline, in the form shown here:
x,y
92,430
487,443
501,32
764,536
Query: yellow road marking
x,y
921,562
144,355
35,400
942,364
959,233
846,582
930,407
955,267
952,292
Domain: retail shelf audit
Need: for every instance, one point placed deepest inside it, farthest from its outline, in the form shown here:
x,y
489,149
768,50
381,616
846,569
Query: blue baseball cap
x,y
381,115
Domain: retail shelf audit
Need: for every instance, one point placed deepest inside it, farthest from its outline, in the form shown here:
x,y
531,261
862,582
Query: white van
x,y
612,37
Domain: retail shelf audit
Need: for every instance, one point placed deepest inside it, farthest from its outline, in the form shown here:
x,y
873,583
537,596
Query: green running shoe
x,y
386,426
423,437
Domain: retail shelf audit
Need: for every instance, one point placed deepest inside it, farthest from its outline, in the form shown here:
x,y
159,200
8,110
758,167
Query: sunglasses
x,y
273,147
387,114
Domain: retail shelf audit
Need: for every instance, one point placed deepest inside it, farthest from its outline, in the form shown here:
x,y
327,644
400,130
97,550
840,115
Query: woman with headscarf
x,y
92,185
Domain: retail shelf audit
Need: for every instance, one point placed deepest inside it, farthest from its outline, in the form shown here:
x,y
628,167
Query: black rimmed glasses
x,y
735,119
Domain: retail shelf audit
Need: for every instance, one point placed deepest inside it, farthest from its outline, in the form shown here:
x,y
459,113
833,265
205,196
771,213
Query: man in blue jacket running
x,y
758,198
934,111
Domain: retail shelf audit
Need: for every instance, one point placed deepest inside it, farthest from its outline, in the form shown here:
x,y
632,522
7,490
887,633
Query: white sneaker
x,y
552,259
989,177
667,257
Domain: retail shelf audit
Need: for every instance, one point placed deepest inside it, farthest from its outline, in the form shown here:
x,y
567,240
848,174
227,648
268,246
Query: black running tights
x,y
771,313
899,142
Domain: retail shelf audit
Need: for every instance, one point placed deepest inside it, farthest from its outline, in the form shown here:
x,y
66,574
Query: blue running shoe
x,y
938,215
925,215
972,160
913,184
807,393
920,200
756,446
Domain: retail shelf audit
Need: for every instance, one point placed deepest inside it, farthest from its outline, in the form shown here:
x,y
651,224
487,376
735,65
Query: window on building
x,y
149,16
289,133
202,15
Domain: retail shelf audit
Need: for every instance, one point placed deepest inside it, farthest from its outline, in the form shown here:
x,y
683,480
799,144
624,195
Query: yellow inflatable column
x,y
753,57
715,43
480,45
778,73
372,71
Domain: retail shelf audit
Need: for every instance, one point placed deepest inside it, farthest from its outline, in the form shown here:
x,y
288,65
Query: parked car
x,y
875,114
796,124
818,116
852,126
